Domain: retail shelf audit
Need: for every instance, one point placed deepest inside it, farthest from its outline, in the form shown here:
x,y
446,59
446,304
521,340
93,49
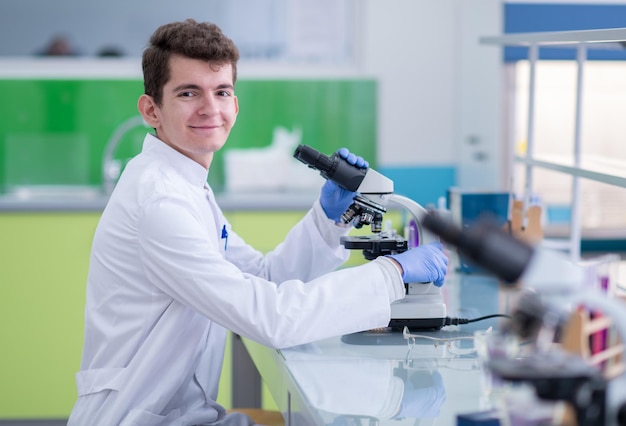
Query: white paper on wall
x,y
271,168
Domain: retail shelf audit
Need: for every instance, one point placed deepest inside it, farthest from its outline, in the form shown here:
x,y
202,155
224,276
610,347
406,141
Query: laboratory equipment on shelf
x,y
423,307
556,287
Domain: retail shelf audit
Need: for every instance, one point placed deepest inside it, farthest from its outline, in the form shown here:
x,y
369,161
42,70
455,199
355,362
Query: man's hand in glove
x,y
334,199
423,264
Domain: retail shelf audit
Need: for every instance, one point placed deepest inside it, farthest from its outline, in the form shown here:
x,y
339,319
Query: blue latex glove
x,y
334,199
423,264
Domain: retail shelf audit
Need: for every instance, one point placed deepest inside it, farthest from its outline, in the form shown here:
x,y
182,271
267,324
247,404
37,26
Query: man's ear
x,y
147,108
236,110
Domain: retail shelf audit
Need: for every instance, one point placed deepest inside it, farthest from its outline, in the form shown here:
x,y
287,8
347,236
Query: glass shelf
x,y
600,169
607,38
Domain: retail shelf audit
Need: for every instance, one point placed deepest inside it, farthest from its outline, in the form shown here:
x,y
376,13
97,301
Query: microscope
x,y
556,286
423,307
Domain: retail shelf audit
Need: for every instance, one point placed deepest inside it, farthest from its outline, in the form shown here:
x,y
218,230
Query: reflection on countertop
x,y
92,198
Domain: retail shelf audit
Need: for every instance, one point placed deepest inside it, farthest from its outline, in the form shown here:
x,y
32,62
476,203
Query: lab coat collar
x,y
189,169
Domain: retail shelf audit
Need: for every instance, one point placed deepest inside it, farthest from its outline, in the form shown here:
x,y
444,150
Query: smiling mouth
x,y
207,127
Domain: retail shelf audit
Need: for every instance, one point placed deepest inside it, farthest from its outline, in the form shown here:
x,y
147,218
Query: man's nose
x,y
208,105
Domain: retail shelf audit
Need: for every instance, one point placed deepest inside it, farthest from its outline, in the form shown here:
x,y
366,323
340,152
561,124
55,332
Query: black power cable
x,y
457,321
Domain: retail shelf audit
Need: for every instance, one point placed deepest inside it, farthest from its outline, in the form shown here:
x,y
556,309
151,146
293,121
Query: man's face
x,y
198,109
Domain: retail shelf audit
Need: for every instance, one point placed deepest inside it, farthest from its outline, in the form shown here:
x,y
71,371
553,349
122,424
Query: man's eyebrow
x,y
191,86
225,86
185,86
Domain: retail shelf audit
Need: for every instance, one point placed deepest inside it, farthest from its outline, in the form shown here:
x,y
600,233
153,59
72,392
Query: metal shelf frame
x,y
581,41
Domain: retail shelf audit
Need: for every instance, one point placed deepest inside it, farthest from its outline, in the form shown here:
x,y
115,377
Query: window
x,y
603,138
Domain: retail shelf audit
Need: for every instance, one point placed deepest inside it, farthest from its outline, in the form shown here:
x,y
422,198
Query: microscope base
x,y
419,312
415,324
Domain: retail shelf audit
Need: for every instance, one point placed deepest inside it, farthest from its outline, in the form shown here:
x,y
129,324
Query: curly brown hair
x,y
196,40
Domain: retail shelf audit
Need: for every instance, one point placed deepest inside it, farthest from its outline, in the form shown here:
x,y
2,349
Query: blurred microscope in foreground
x,y
588,390
423,307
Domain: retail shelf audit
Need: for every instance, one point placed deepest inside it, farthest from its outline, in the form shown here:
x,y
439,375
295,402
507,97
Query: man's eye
x,y
186,94
223,93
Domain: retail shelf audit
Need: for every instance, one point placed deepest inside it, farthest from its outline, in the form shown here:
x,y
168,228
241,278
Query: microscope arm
x,y
419,213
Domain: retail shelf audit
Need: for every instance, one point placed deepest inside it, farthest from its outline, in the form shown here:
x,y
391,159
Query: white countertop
x,y
95,200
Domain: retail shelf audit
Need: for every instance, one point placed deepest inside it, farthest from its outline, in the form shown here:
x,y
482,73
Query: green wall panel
x,y
44,268
54,132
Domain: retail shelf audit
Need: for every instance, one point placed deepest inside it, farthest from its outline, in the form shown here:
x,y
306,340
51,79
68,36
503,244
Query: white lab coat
x,y
168,276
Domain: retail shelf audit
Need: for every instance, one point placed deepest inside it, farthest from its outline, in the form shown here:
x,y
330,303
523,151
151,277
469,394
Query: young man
x,y
168,276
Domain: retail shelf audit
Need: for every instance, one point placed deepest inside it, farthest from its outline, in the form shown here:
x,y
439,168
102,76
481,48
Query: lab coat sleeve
x,y
182,259
311,248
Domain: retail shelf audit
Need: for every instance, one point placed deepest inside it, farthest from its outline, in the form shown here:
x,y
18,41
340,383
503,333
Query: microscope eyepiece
x,y
334,167
313,158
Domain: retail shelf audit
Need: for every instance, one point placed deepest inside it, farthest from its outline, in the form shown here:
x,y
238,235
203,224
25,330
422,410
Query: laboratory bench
x,y
378,378
381,377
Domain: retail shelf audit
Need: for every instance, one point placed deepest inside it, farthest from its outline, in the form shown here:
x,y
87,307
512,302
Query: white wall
x,y
439,88
409,45
480,140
